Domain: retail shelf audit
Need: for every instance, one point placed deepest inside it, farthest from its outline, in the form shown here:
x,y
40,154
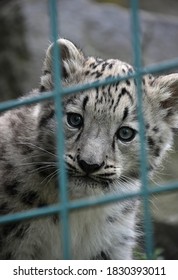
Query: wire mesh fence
x,y
65,206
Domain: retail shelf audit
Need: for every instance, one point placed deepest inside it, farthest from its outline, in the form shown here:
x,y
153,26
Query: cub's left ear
x,y
166,94
72,58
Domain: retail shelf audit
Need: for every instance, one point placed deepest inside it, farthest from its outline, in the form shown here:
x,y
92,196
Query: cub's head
x,y
101,124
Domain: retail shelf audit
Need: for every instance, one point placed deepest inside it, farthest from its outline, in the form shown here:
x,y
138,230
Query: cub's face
x,y
101,129
101,124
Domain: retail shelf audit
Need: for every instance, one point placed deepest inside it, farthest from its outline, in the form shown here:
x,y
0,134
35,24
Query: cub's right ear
x,y
72,58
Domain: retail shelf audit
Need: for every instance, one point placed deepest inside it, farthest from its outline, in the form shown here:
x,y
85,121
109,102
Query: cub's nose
x,y
88,167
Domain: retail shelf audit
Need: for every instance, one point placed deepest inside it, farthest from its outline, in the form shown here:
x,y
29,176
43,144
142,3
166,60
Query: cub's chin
x,y
84,186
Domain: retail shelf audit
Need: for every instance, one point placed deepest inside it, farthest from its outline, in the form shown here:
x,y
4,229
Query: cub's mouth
x,y
95,176
89,176
88,181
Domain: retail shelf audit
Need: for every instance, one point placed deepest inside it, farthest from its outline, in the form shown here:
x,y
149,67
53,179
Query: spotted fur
x,y
101,157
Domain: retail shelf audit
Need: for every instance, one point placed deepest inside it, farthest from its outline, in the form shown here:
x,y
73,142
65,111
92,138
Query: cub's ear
x,y
164,91
71,58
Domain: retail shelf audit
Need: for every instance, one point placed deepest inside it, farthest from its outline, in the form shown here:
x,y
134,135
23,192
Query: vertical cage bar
x,y
135,29
62,177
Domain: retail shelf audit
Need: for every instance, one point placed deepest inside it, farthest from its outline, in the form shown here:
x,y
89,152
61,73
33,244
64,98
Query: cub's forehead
x,y
96,69
119,94
99,68
116,100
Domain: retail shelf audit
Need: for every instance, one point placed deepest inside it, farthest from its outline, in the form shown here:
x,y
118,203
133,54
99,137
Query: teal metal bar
x,y
62,176
135,29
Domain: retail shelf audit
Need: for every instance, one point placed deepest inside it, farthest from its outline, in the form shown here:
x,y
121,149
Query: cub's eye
x,y
126,134
75,120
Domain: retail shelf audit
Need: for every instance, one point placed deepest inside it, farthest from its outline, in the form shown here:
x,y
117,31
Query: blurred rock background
x,y
14,52
100,28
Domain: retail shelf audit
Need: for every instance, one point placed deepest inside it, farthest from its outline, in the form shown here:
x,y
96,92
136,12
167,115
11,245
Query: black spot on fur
x,y
45,118
86,73
85,102
42,89
4,208
46,72
29,198
110,66
97,74
126,111
9,228
124,91
151,142
147,126
155,129
9,166
170,112
128,82
64,52
11,188
128,208
102,256
112,103
71,157
92,65
78,136
113,145
104,65
111,219
157,152
96,65
64,72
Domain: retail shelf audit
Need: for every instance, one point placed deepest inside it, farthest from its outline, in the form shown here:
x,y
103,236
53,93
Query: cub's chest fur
x,y
101,156
90,235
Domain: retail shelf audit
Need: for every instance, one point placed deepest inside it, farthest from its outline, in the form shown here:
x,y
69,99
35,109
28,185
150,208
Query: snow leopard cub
x,y
101,156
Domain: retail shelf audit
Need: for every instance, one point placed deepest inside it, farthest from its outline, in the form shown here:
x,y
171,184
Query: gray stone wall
x,y
14,53
99,29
